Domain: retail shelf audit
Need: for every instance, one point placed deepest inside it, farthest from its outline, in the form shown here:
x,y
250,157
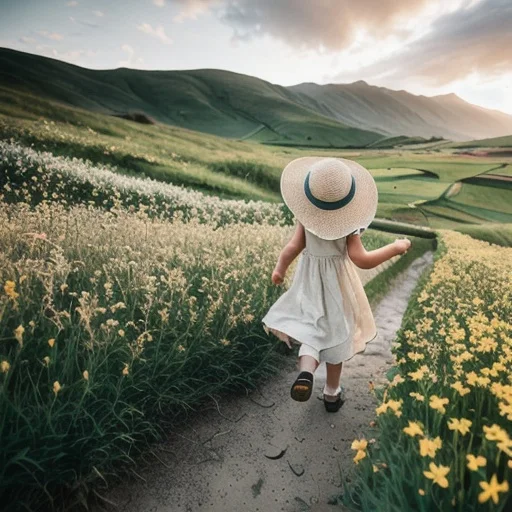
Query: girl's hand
x,y
402,245
277,277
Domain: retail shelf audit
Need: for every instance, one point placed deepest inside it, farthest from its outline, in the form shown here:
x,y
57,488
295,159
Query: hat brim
x,y
329,224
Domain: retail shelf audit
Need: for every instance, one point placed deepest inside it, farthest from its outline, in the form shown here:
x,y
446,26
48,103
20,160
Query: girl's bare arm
x,y
291,250
370,259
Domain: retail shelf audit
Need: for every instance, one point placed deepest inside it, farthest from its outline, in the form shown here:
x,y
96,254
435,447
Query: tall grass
x,y
35,176
124,304
110,322
443,427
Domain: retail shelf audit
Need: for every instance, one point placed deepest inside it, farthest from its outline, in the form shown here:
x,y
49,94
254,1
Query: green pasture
x,y
494,142
477,200
242,169
504,171
499,234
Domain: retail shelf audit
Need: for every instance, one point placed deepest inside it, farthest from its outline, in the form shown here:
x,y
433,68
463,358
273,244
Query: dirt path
x,y
231,458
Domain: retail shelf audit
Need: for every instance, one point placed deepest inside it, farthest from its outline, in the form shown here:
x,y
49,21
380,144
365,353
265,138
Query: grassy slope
x,y
228,168
503,142
212,101
401,113
499,234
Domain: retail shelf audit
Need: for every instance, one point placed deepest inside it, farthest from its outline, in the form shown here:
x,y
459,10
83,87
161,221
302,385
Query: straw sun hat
x,y
331,197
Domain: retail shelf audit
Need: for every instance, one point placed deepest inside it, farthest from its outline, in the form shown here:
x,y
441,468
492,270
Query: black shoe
x,y
333,406
302,387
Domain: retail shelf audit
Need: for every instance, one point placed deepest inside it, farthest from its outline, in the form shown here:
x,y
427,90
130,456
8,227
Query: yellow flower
x,y
415,356
126,369
491,490
421,492
438,474
475,462
225,342
46,360
472,378
56,387
417,375
86,375
495,433
181,348
5,366
418,396
438,403
10,290
505,446
375,468
121,333
359,444
18,334
361,454
461,425
51,342
413,429
430,446
460,388
395,406
383,407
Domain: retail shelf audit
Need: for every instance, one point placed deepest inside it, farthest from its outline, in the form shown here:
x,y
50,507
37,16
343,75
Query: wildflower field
x,y
123,306
443,427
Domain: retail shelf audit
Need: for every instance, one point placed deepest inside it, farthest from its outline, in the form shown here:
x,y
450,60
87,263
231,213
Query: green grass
x,y
486,194
440,347
499,234
401,140
394,173
206,100
228,168
494,142
504,171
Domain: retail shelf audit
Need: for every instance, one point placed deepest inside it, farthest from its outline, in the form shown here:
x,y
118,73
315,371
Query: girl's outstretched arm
x,y
364,259
291,250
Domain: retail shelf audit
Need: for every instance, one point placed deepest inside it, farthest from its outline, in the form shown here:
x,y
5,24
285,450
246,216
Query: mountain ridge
x,y
235,105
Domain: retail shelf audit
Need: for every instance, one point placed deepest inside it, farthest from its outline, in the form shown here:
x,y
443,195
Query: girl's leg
x,y
332,382
308,364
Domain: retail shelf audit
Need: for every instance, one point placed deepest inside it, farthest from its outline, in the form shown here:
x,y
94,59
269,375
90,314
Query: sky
x,y
425,47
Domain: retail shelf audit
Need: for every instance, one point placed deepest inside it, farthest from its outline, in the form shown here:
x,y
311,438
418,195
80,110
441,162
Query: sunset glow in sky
x,y
423,46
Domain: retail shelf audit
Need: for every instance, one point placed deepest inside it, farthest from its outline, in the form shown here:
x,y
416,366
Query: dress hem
x,y
295,340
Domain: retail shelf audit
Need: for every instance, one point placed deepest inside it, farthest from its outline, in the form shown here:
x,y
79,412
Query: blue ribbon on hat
x,y
329,205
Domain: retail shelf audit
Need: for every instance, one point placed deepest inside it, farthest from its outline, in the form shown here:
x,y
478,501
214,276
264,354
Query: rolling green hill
x,y
212,101
412,184
401,113
244,107
503,142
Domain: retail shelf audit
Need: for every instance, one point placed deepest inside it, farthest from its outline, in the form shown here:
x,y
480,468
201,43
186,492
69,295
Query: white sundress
x,y
326,305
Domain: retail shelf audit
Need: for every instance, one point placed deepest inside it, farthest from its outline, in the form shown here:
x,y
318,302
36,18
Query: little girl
x,y
326,309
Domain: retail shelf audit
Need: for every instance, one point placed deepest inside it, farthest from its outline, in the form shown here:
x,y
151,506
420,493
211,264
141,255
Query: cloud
x,y
85,23
27,40
157,32
473,40
99,14
329,25
131,60
194,8
159,3
72,4
73,56
51,35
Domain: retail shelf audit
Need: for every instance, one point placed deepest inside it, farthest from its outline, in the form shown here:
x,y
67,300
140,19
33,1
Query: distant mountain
x,y
401,113
240,106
